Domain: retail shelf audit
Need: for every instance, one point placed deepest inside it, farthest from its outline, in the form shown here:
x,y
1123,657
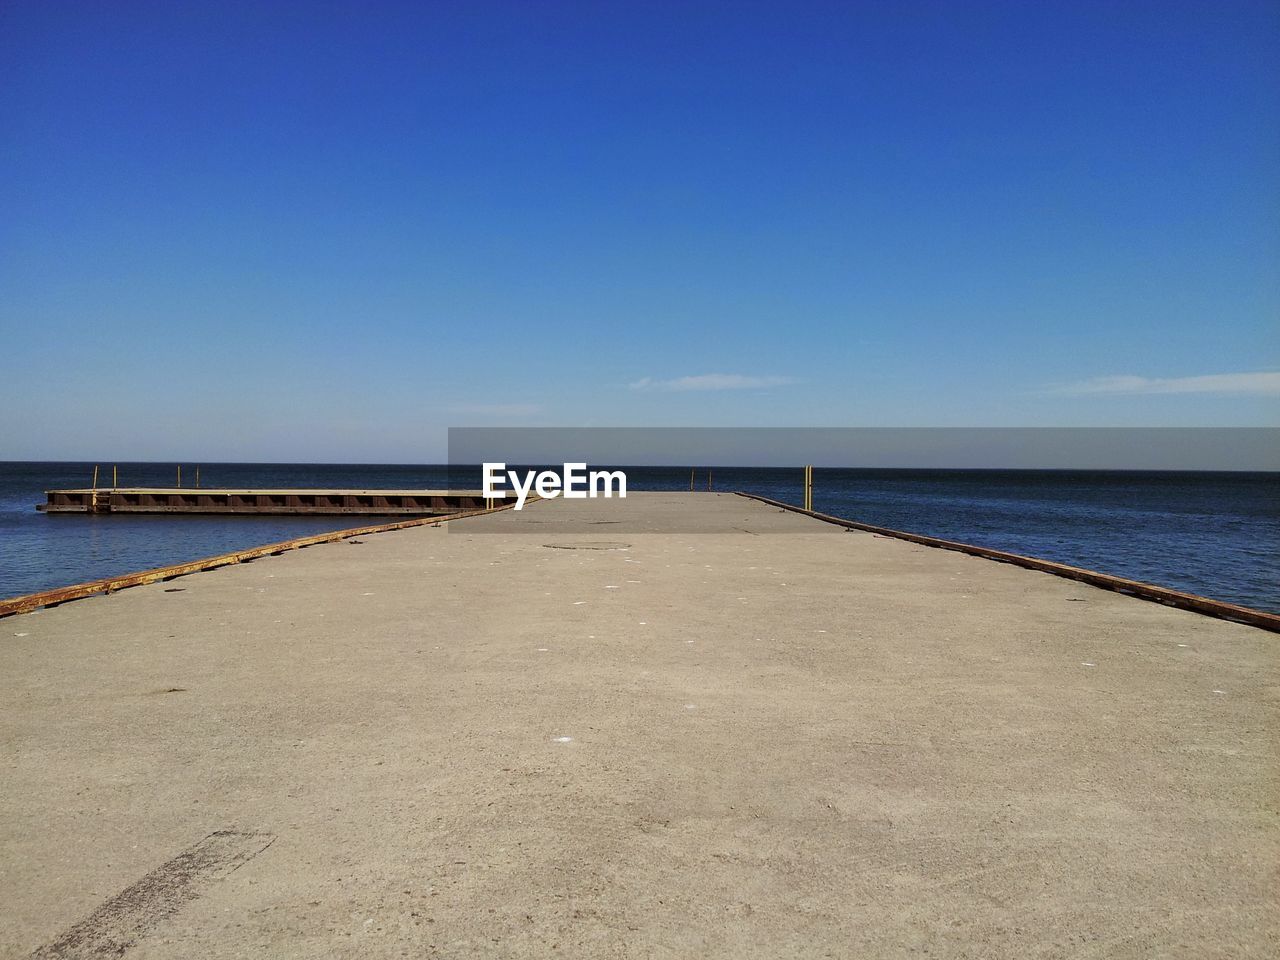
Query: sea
x,y
1210,533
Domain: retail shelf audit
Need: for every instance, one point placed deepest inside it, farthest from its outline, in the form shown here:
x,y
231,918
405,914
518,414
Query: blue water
x,y
1216,534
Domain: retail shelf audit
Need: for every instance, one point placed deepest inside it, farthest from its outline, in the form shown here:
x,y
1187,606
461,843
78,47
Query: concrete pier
x,y
565,732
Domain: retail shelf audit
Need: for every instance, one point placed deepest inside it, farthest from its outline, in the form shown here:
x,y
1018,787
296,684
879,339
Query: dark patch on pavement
x,y
132,913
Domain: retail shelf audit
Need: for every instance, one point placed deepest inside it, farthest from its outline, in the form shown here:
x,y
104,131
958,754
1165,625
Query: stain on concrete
x,y
132,913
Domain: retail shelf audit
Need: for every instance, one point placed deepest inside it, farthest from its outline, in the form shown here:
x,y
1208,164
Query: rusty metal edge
x,y
1137,588
45,598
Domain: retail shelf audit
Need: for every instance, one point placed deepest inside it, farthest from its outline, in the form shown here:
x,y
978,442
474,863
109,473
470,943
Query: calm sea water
x,y
1216,534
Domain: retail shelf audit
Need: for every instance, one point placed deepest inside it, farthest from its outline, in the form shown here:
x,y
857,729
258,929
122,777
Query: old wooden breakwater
x,y
259,502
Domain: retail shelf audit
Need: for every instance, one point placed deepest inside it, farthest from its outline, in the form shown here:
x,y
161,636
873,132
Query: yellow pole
x,y
115,478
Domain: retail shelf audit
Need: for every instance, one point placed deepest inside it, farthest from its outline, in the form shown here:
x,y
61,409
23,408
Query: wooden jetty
x,y
264,502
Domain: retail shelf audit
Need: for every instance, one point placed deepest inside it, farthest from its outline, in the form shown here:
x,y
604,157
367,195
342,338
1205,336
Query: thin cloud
x,y
710,381
1241,384
497,409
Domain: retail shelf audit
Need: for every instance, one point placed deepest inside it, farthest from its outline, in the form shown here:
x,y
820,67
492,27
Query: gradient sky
x,y
307,231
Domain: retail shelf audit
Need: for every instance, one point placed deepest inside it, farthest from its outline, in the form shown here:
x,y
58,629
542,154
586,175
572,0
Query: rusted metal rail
x,y
46,598
1136,588
263,502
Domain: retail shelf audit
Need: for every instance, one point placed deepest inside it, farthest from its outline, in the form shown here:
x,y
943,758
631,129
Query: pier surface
x,y
566,732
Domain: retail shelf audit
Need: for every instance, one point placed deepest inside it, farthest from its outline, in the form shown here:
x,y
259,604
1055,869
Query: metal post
x,y
115,479
179,476
708,478
93,497
692,473
197,477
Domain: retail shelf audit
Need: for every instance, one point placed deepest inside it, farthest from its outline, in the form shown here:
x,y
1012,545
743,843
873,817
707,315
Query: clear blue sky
x,y
328,231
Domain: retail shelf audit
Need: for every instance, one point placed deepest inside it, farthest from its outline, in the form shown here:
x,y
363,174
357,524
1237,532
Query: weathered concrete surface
x,y
816,743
